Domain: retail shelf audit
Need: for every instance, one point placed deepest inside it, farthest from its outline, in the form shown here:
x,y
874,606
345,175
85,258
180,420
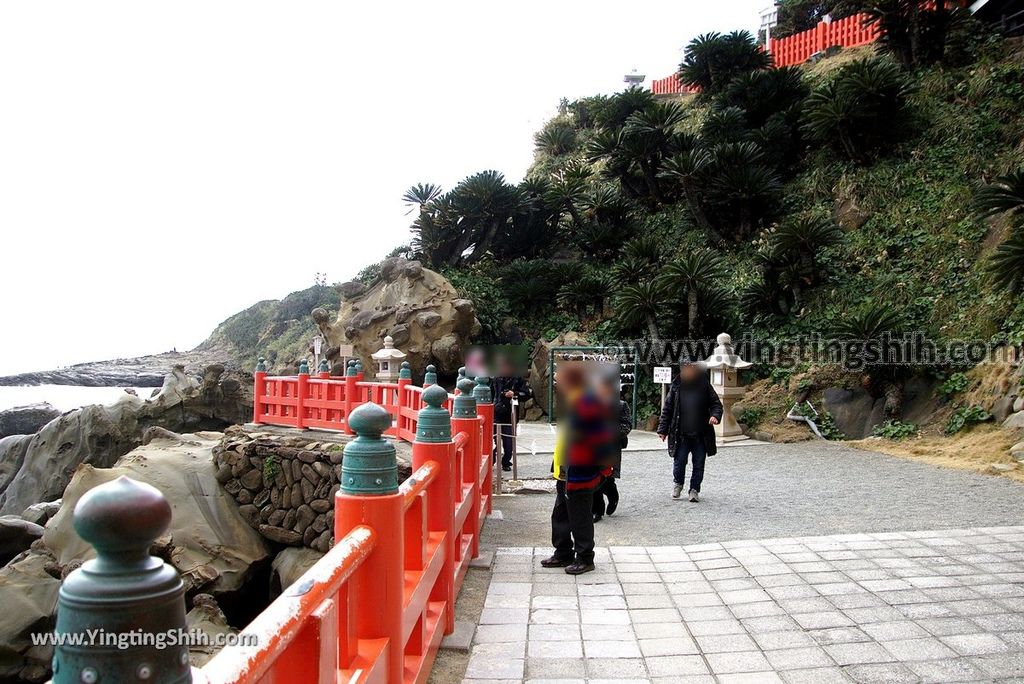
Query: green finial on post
x,y
351,370
324,366
261,365
433,424
465,404
482,391
303,367
359,366
430,376
122,590
462,374
406,371
370,467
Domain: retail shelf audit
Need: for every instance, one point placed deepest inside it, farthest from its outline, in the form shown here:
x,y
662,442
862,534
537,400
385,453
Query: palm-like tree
x,y
486,203
1006,266
632,269
421,194
712,60
804,238
556,140
690,169
692,274
869,324
1005,195
639,305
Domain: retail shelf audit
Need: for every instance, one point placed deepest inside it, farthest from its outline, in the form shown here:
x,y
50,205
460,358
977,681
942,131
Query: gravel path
x,y
771,491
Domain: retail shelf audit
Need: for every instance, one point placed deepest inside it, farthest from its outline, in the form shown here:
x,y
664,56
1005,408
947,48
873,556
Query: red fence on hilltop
x,y
375,607
848,32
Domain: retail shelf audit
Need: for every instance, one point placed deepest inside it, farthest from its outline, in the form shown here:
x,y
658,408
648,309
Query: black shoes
x,y
507,469
597,518
578,568
556,562
612,505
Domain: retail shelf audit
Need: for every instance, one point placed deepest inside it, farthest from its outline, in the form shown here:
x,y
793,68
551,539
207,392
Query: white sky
x,y
164,165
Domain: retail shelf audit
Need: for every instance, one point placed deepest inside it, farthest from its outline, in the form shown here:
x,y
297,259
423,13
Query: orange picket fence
x,y
375,607
848,32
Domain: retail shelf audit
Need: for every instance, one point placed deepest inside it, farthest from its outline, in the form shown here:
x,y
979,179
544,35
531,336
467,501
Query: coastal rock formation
x,y
38,467
26,420
208,542
417,307
285,484
142,371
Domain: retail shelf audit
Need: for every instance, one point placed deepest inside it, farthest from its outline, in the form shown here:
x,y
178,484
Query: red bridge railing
x,y
848,32
375,607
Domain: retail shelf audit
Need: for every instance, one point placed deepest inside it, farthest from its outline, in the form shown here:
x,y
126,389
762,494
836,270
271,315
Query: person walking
x,y
608,489
508,385
583,448
692,409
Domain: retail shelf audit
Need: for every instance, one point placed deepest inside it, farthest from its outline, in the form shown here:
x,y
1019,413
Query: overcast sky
x,y
164,165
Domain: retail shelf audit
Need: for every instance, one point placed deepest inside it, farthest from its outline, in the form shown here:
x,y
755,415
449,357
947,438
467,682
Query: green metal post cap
x,y
462,372
369,466
359,366
324,366
406,371
122,517
303,367
122,590
261,366
433,424
482,391
351,370
465,404
430,376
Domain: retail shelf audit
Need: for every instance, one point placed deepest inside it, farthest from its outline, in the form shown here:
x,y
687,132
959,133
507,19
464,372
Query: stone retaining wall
x,y
284,483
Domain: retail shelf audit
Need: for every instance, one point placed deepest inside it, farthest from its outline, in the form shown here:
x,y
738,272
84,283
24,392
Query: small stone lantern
x,y
725,365
388,360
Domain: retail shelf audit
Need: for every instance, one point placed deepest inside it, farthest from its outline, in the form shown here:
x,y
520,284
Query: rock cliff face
x,y
142,371
26,420
35,468
417,307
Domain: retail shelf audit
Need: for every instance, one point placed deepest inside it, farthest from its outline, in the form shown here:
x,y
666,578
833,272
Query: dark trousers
x,y
503,441
684,448
572,524
609,489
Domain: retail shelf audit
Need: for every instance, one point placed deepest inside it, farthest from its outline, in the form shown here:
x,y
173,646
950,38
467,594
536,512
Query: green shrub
x,y
827,427
954,384
752,417
895,430
270,468
966,416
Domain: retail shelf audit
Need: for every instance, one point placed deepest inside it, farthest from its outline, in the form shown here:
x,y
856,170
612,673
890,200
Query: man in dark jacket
x,y
504,388
692,409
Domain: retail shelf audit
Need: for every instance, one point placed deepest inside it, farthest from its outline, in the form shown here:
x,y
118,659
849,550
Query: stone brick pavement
x,y
942,606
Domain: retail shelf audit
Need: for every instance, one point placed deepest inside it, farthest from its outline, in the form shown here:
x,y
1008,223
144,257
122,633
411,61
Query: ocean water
x,y
64,397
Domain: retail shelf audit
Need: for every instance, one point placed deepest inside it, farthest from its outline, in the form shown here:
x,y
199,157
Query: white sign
x,y
345,350
662,375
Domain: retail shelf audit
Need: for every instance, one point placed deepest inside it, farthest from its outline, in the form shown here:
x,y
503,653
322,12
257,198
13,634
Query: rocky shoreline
x,y
141,371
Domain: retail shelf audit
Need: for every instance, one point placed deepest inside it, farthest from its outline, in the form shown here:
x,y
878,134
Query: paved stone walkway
x,y
939,606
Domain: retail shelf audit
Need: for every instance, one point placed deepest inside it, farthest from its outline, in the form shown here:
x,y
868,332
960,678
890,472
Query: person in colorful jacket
x,y
583,452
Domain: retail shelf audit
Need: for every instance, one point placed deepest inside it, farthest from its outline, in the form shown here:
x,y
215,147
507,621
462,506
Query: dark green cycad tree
x,y
789,261
639,305
763,94
1005,197
556,139
863,110
871,324
712,60
695,274
918,32
743,189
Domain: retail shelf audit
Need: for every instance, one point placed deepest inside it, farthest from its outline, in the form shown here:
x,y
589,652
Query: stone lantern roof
x,y
388,351
724,356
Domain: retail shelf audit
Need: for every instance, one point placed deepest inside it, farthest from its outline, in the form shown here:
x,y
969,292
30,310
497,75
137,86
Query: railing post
x,y
369,496
404,380
324,369
485,409
123,590
433,443
465,419
430,376
259,390
303,388
350,393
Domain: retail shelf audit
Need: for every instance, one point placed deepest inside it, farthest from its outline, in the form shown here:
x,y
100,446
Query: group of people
x,y
593,431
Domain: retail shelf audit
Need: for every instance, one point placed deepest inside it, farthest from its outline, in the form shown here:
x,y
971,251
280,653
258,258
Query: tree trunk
x,y
484,243
652,328
691,312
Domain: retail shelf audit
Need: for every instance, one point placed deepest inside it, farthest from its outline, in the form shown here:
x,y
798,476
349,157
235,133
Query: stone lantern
x,y
388,360
725,365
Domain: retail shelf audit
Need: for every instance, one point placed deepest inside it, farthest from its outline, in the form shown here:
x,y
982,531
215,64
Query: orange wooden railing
x,y
325,401
375,607
848,32
670,85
